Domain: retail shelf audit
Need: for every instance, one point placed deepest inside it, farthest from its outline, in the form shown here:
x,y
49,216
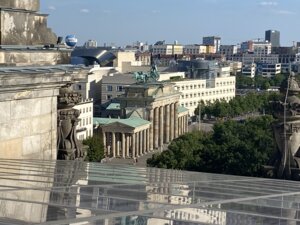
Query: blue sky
x,y
126,21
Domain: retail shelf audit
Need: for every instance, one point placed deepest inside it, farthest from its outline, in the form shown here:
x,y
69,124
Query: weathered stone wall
x,y
28,126
28,115
31,5
24,28
28,110
34,57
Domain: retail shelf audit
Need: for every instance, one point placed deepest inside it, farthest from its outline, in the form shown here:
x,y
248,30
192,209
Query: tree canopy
x,y
259,81
96,149
240,105
232,148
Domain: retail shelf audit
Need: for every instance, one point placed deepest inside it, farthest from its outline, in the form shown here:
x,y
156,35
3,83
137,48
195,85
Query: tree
x,y
232,148
96,149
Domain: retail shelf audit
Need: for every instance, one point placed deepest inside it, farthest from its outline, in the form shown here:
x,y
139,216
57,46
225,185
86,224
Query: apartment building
x,y
85,125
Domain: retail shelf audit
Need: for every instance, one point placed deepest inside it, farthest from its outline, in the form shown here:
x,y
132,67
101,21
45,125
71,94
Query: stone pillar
x,y
104,144
186,123
167,127
161,126
138,149
133,145
127,145
141,143
148,140
118,145
176,119
145,141
156,127
172,129
109,145
179,125
113,144
151,130
123,146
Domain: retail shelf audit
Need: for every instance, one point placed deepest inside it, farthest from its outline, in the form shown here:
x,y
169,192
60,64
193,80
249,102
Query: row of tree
x,y
232,148
240,105
263,83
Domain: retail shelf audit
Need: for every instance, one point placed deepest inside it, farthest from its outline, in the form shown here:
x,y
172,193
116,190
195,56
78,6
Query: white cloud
x,y
265,3
84,10
284,12
51,7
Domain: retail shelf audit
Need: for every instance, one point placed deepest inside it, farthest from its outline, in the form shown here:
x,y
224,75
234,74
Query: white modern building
x,y
262,48
195,90
85,125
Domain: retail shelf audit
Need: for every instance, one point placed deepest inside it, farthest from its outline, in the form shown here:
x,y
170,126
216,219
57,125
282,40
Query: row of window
x,y
195,86
86,109
195,103
118,88
85,121
207,93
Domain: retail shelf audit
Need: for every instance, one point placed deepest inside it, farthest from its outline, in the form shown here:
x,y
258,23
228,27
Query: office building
x,y
273,36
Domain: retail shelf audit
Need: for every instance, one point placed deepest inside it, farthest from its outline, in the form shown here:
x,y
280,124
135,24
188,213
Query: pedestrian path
x,y
141,161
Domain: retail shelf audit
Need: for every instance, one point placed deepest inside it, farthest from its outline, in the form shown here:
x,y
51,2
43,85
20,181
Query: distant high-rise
x,y
213,41
273,36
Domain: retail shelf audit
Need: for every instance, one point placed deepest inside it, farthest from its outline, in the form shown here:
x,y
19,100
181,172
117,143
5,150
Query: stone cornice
x,y
27,80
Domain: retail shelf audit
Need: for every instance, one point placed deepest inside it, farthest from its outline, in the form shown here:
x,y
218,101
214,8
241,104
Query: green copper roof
x,y
113,106
182,109
131,122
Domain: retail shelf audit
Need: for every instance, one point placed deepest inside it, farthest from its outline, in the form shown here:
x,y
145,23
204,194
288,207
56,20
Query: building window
x,y
108,97
79,86
119,88
109,88
90,120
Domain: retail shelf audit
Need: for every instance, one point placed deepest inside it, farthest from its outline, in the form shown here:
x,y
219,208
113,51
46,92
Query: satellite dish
x,y
71,40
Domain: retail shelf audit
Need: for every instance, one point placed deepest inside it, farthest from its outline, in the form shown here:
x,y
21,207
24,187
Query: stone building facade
x,y
21,24
152,118
28,109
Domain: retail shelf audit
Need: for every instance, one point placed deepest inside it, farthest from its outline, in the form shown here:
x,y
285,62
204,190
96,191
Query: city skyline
x,y
123,22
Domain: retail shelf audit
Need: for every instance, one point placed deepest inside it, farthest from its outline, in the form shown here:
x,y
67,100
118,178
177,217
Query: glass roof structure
x,y
74,192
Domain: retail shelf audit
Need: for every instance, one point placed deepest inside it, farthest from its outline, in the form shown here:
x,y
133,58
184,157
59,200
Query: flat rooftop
x,y
73,192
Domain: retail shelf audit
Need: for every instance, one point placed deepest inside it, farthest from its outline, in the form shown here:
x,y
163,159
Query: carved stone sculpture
x,y
69,148
287,132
